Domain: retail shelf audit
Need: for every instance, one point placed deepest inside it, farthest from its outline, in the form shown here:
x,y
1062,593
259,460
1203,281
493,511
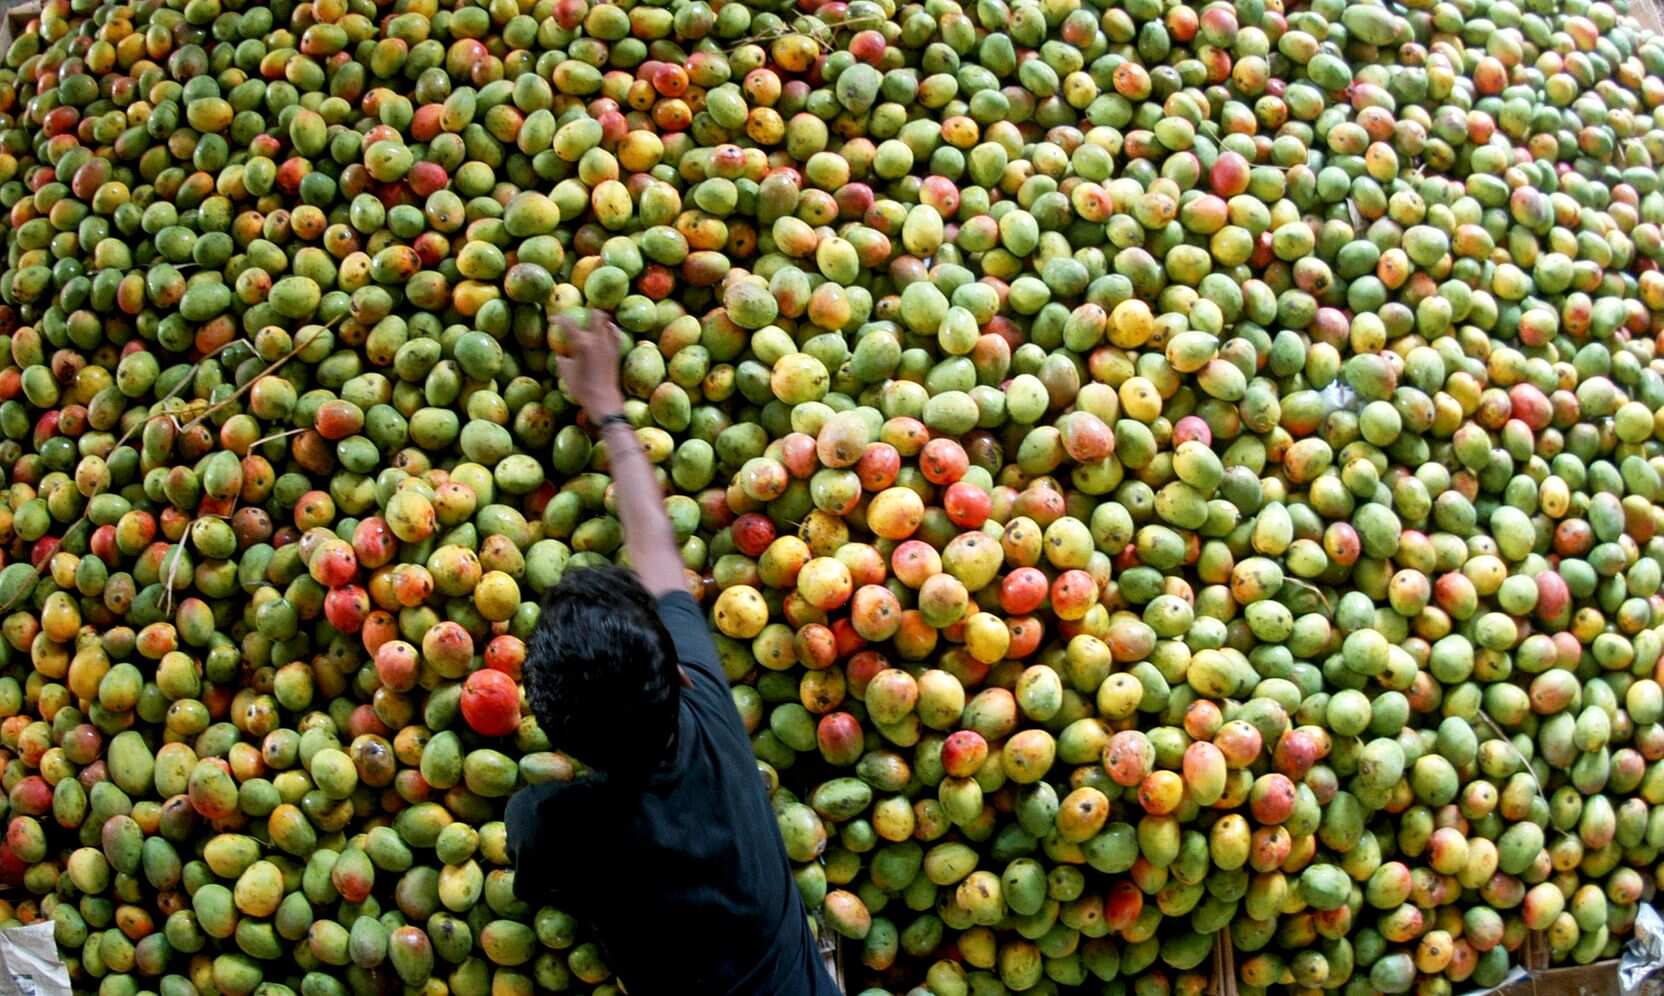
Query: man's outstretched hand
x,y
589,370
590,367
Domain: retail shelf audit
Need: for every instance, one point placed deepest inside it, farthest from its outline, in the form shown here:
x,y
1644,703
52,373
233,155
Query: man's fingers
x,y
580,337
565,367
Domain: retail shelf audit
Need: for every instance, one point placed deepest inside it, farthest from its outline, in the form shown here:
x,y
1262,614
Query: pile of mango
x,y
1154,468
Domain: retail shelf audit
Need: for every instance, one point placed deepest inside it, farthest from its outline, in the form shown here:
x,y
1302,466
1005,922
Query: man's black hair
x,y
601,673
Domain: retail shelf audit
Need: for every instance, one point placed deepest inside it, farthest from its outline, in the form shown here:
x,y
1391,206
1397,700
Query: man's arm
x,y
528,832
647,534
591,376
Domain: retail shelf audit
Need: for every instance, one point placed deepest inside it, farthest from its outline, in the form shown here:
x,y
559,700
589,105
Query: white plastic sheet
x,y
29,962
1641,966
1339,396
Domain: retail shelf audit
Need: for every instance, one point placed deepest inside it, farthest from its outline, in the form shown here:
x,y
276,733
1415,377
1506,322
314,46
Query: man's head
x,y
601,673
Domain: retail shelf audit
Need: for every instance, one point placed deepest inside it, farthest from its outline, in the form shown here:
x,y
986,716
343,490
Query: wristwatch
x,y
615,418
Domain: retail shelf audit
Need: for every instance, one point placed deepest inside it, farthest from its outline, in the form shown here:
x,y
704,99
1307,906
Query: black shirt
x,y
685,878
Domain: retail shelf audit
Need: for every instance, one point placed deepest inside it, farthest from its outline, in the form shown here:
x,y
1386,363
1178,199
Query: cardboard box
x,y
1597,979
17,15
1541,980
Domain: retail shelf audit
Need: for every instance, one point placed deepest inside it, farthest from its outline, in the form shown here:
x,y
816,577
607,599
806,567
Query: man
x,y
668,847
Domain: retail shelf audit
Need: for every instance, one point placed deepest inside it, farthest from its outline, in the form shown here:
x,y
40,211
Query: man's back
x,y
685,877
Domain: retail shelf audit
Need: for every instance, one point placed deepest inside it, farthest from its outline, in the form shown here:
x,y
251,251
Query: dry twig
x,y
819,36
40,568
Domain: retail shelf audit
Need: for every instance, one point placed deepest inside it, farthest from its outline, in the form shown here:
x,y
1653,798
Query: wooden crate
x,y
832,953
1534,952
1223,982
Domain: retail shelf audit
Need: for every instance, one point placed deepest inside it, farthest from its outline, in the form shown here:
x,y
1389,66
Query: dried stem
x,y
173,570
272,368
40,568
1517,752
826,45
1314,589
276,435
